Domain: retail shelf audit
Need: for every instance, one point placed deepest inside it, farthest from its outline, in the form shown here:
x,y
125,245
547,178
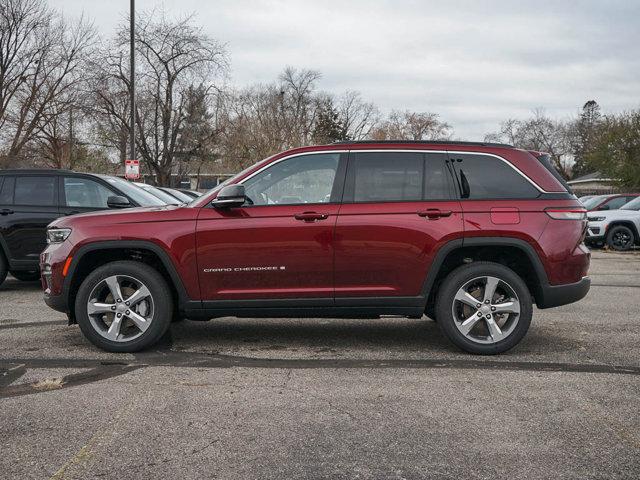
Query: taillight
x,y
566,213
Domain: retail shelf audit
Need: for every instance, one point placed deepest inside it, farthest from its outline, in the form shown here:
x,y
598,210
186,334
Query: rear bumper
x,y
557,295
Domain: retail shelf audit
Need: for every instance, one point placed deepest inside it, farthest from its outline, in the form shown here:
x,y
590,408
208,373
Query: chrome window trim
x,y
401,150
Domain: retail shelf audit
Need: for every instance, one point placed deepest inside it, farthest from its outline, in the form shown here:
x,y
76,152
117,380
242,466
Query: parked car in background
x,y
608,202
471,233
31,199
618,229
157,192
191,193
183,197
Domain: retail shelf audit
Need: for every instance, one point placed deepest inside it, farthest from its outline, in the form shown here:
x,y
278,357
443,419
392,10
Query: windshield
x,y
183,197
156,192
136,194
632,205
593,202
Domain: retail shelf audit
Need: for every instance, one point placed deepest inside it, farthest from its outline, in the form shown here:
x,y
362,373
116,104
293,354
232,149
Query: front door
x,y
399,208
279,245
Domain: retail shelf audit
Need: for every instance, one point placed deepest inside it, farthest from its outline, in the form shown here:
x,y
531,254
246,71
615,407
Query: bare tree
x,y
357,117
173,56
41,60
540,133
412,126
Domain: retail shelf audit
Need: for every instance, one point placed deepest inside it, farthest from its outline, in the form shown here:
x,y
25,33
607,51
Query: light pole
x,y
132,90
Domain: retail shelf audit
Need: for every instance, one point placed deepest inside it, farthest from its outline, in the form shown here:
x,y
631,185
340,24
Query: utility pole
x,y
132,91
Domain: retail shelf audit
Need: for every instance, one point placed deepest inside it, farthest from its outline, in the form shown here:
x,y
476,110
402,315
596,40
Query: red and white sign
x,y
132,169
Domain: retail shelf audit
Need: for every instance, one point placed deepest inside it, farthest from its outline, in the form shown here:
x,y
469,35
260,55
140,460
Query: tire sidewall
x,y
456,279
610,238
162,298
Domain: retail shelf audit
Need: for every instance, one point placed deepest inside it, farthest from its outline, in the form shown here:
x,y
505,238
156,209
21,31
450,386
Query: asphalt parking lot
x,y
323,398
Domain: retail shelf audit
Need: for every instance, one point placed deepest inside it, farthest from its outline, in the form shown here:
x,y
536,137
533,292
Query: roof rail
x,y
54,171
429,142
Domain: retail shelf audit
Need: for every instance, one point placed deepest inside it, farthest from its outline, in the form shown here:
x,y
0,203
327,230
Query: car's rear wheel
x,y
124,306
620,238
25,276
484,308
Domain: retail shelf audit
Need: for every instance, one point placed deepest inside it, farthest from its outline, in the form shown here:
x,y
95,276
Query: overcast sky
x,y
474,63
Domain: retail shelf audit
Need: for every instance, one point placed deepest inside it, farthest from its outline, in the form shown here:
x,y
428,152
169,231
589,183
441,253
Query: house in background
x,y
594,183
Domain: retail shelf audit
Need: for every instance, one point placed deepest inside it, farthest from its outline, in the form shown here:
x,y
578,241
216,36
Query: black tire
x,y
4,267
160,292
466,273
620,238
25,276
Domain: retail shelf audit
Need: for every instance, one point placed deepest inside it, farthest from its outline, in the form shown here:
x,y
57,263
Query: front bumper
x,y
596,230
557,295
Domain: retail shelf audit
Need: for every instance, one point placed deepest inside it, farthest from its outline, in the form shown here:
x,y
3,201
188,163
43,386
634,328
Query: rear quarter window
x,y
485,177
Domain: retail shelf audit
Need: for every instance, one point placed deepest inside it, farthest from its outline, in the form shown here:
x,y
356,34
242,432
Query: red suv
x,y
472,234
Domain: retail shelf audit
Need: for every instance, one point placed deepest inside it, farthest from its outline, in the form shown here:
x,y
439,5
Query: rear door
x,y
32,205
398,209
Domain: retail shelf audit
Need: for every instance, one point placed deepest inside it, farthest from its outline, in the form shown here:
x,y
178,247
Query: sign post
x,y
132,169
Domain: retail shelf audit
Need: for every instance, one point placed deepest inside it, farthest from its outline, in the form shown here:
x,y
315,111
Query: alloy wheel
x,y
120,308
621,239
486,310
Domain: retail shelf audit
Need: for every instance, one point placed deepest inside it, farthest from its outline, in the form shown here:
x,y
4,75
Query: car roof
x,y
36,171
422,142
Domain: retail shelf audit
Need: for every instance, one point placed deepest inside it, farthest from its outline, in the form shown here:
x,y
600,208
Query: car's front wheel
x,y
484,308
124,306
620,238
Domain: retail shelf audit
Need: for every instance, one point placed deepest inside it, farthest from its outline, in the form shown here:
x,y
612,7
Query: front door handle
x,y
434,213
311,216
6,211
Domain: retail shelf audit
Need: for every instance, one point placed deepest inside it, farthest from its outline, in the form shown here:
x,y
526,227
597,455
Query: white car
x,y
619,229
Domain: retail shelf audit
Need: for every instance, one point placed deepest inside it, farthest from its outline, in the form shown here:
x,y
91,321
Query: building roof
x,y
591,177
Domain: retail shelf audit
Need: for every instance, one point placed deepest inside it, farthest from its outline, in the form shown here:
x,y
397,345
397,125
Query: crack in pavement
x,y
98,369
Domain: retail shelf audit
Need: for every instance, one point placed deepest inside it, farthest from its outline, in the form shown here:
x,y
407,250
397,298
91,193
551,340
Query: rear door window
x,y
35,191
484,177
6,192
395,177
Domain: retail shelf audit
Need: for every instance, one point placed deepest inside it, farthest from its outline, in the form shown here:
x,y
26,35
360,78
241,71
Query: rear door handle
x,y
6,211
311,216
434,213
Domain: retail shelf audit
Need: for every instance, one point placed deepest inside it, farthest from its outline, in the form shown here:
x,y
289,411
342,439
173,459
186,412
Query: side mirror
x,y
604,207
118,201
229,197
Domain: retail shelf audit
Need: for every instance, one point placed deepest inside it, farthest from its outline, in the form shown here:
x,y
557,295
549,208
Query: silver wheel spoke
x,y
466,298
94,308
469,323
114,287
494,329
141,322
490,288
139,295
114,329
507,307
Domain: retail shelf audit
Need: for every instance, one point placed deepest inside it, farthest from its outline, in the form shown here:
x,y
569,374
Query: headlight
x,y
597,219
58,235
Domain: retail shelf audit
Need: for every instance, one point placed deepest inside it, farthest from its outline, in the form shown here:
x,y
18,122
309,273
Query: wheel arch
x,y
514,253
93,255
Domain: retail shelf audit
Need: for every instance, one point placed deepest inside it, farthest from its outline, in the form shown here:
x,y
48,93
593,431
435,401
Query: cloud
x,y
473,62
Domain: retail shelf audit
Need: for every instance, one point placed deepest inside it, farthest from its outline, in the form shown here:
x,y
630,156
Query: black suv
x,y
31,199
